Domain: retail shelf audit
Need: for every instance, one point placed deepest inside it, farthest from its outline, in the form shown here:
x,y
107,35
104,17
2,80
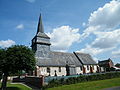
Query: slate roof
x,y
40,25
40,29
59,59
42,35
62,58
85,58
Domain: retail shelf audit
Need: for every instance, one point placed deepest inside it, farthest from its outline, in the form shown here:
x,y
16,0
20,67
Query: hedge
x,y
82,78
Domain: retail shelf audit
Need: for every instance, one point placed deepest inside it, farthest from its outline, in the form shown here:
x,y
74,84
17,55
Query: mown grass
x,y
17,87
92,85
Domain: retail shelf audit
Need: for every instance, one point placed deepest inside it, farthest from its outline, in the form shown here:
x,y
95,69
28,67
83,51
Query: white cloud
x,y
31,1
63,37
94,51
6,43
106,40
106,18
88,31
91,50
116,52
103,24
20,26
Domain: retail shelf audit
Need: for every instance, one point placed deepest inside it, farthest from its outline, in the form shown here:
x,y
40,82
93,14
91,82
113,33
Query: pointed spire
x,y
40,25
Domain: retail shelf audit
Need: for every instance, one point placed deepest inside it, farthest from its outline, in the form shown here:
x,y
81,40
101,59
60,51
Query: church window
x,y
48,70
59,69
87,67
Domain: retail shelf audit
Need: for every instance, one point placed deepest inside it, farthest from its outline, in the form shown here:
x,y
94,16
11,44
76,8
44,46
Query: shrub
x,y
82,78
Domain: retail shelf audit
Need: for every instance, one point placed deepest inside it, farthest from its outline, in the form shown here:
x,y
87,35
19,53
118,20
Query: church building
x,y
51,63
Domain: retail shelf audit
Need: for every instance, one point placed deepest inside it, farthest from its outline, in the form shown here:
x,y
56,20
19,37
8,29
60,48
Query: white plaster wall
x,y
102,69
95,68
63,71
43,71
87,71
78,70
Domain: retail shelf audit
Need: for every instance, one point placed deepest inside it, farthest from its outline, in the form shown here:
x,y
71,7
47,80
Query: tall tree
x,y
18,57
2,60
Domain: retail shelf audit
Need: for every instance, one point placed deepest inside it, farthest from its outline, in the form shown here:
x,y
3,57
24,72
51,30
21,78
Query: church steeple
x,y
41,42
40,25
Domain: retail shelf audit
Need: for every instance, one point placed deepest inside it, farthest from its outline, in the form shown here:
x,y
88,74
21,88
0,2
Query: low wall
x,y
35,81
17,79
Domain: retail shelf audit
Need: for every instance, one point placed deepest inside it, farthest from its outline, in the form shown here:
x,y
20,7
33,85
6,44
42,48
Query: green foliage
x,y
21,57
2,61
2,58
15,59
85,78
18,57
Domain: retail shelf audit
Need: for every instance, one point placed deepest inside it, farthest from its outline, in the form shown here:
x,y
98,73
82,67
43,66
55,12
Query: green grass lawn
x,y
17,87
93,85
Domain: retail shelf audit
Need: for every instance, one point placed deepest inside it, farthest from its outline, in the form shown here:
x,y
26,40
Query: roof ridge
x,y
61,52
82,53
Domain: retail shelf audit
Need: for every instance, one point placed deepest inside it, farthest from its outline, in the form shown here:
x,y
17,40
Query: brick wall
x,y
35,81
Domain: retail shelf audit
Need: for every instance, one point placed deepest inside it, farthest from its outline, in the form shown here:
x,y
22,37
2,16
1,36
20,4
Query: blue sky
x,y
73,25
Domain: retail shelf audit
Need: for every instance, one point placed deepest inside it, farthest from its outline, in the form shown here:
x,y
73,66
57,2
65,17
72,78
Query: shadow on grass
x,y
13,88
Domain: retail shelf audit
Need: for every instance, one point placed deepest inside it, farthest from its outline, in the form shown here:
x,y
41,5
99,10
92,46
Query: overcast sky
x,y
89,26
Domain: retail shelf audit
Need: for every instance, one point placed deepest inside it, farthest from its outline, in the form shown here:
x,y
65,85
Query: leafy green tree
x,y
18,58
2,60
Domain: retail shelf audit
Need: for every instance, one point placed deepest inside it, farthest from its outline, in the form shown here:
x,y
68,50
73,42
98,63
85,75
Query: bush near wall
x,y
82,78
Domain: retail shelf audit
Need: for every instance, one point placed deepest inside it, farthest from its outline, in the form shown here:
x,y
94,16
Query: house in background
x,y
117,65
106,65
50,63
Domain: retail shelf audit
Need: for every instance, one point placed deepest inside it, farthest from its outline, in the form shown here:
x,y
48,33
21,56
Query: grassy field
x,y
17,87
93,85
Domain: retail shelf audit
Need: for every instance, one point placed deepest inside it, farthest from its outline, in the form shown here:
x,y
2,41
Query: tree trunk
x,y
4,82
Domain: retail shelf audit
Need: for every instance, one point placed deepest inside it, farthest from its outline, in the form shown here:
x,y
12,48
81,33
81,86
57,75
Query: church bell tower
x,y
41,42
